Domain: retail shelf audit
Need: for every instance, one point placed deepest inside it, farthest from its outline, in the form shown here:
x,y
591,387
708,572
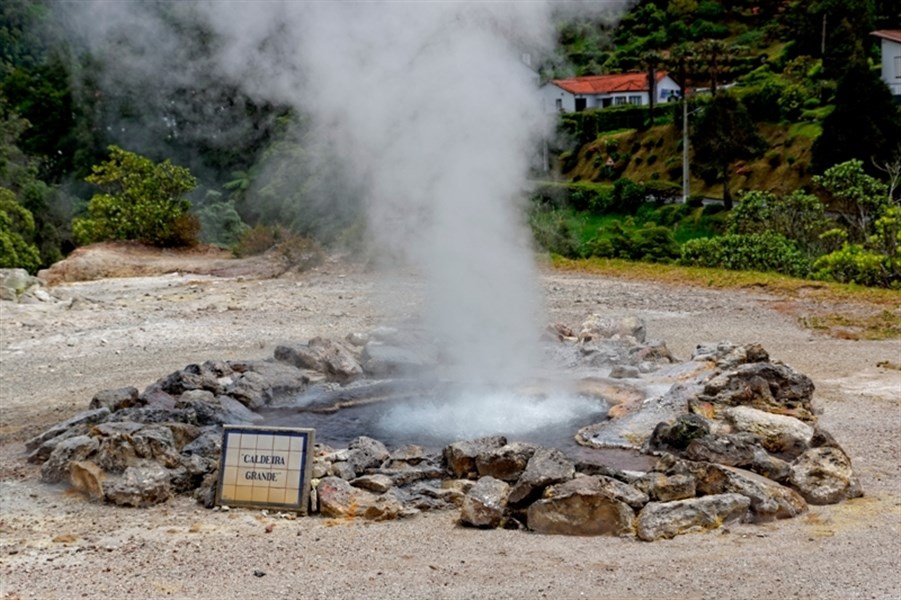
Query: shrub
x,y
650,242
855,264
552,233
16,229
220,222
299,252
757,251
141,201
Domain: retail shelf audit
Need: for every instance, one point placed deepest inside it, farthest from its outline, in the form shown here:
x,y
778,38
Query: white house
x,y
601,91
891,59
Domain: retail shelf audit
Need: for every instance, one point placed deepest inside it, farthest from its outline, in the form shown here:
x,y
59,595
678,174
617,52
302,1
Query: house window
x,y
619,100
634,99
581,104
898,67
559,103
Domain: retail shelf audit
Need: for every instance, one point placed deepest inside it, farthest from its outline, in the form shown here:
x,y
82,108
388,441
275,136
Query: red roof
x,y
607,84
889,34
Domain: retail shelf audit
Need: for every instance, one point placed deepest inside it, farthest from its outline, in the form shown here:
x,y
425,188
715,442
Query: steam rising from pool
x,y
436,116
473,414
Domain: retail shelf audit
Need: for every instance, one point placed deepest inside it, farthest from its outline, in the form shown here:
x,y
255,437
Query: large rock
x,y
56,469
506,463
116,399
547,466
580,507
14,283
366,453
339,499
323,355
668,519
824,476
143,485
624,492
770,387
769,500
665,488
680,433
485,503
88,417
777,433
381,360
461,456
599,327
735,450
250,389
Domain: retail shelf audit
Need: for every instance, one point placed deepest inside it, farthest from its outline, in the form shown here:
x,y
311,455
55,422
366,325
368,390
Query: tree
x,y
865,124
859,198
16,228
722,134
140,200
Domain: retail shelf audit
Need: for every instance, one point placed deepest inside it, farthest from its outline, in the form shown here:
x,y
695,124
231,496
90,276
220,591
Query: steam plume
x,y
430,107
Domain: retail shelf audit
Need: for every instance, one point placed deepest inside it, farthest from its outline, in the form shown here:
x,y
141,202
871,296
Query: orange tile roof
x,y
607,84
889,34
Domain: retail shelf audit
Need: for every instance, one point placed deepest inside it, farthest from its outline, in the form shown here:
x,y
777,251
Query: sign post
x,y
266,467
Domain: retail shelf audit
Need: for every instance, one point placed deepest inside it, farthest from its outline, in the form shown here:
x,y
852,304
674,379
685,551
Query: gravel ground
x,y
131,331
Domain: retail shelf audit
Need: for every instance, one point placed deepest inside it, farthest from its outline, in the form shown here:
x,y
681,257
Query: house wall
x,y
891,66
667,89
550,93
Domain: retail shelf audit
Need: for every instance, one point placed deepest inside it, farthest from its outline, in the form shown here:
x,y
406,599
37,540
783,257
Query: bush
x,y
650,242
141,201
16,229
220,222
552,233
299,252
855,264
757,252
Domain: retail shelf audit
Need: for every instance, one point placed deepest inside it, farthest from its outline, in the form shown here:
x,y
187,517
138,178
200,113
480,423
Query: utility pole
x,y
685,180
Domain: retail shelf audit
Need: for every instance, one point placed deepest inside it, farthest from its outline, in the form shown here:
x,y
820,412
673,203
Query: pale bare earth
x,y
131,331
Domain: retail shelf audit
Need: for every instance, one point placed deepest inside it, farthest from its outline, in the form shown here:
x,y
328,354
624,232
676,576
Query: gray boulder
x,y
665,488
366,453
668,519
461,456
485,503
824,476
580,507
770,387
88,417
323,355
506,463
735,450
380,360
777,433
769,500
56,469
115,399
547,466
599,327
141,485
339,499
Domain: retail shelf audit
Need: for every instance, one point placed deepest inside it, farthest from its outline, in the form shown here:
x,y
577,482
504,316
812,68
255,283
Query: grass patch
x,y
807,130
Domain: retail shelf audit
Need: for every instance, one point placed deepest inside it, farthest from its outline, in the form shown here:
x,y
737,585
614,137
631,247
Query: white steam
x,y
432,109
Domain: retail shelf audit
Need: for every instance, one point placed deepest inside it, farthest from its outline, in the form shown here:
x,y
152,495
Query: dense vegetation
x,y
795,132
789,114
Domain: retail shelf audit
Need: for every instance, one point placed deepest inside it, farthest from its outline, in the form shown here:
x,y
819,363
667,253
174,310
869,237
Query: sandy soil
x,y
131,331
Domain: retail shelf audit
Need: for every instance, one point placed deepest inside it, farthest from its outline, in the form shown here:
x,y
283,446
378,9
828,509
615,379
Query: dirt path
x,y
131,331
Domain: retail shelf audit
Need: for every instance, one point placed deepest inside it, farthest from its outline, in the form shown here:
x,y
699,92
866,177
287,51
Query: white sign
x,y
266,467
